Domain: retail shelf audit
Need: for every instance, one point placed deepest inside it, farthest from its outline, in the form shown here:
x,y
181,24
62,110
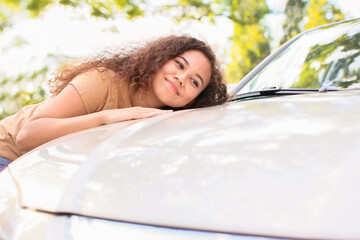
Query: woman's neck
x,y
144,99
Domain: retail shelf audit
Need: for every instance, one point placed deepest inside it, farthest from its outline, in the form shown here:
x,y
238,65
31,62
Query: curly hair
x,y
138,65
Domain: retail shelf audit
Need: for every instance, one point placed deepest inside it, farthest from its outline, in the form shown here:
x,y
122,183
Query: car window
x,y
326,57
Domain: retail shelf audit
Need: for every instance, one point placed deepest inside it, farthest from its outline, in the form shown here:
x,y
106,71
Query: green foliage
x,y
332,64
295,12
250,43
321,12
5,14
132,8
250,46
105,8
32,7
27,88
17,41
306,14
190,10
71,3
16,93
35,7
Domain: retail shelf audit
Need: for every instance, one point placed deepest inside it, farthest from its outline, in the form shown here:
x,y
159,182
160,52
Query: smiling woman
x,y
173,72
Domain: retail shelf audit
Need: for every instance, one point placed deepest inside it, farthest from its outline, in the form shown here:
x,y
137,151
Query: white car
x,y
281,160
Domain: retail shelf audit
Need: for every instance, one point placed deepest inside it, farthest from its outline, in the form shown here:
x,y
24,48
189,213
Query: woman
x,y
174,72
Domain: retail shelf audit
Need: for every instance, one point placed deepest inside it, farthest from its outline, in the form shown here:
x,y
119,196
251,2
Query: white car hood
x,y
286,166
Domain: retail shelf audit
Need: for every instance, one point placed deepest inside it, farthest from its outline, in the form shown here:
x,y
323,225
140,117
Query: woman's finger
x,y
124,114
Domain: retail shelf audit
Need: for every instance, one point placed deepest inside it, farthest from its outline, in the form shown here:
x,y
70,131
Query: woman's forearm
x,y
39,131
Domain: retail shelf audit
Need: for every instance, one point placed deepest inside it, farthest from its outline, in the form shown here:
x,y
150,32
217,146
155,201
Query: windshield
x,y
326,57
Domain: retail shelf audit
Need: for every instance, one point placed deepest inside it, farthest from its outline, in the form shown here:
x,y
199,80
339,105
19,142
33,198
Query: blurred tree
x,y
105,8
320,12
250,43
295,12
17,92
26,88
306,14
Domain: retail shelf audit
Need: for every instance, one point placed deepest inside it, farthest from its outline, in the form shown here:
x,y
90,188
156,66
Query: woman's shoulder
x,y
97,76
100,72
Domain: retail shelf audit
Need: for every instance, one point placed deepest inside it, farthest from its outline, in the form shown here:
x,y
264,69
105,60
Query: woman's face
x,y
182,79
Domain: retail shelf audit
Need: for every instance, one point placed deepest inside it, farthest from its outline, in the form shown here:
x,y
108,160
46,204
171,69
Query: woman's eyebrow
x,y
187,63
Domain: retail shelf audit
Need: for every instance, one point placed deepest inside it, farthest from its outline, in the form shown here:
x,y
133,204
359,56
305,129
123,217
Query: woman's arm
x,y
66,114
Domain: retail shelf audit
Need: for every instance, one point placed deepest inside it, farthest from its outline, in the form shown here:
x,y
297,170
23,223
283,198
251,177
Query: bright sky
x,y
64,31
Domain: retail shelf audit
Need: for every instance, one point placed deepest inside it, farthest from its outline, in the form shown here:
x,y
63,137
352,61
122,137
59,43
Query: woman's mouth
x,y
172,86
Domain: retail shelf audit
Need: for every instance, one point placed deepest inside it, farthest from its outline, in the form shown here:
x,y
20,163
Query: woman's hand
x,y
124,114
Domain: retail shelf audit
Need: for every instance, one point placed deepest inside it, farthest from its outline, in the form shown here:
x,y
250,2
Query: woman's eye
x,y
181,66
195,82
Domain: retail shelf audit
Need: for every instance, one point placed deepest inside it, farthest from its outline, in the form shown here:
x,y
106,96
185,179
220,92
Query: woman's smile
x,y
172,86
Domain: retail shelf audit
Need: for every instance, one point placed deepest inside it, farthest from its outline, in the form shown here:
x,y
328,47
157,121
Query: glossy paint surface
x,y
285,166
9,205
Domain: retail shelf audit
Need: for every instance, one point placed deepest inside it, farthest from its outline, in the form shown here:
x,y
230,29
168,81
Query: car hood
x,y
285,166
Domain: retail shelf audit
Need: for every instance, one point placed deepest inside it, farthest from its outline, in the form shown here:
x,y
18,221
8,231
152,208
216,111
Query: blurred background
x,y
39,36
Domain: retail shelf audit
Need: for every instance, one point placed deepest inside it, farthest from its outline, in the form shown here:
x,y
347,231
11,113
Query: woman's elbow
x,y
23,141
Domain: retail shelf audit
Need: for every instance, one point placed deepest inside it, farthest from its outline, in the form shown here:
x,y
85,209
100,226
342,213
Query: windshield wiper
x,y
275,91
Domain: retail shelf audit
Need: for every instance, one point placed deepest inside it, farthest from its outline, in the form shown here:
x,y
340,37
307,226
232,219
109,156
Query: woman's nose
x,y
181,78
